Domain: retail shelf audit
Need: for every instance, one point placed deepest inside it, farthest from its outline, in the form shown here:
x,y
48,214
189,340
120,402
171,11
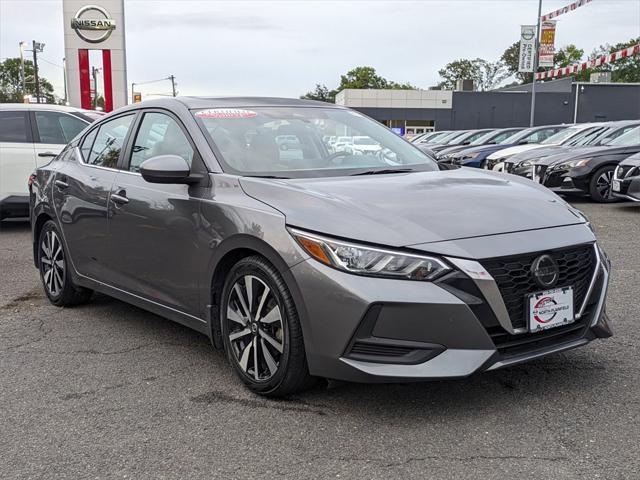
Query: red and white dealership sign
x,y
594,62
567,9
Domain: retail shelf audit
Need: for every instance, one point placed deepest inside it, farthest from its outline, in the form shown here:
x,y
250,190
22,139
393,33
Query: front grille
x,y
539,173
361,348
624,170
515,280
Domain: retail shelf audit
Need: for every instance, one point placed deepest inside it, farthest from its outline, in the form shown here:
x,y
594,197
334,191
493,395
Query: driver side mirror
x,y
168,169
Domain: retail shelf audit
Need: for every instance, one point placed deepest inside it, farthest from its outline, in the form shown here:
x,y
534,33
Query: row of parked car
x,y
599,159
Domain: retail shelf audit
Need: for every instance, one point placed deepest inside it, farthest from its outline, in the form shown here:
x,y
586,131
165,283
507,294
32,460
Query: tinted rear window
x,y
14,127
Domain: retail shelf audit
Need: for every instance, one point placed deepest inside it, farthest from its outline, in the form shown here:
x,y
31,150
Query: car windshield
x,y
516,137
562,136
245,142
445,140
484,138
587,137
632,137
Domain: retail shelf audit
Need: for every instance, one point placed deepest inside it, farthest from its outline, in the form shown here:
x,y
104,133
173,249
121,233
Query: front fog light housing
x,y
370,261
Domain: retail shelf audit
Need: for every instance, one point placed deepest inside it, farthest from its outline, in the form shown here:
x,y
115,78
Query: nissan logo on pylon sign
x,y
84,22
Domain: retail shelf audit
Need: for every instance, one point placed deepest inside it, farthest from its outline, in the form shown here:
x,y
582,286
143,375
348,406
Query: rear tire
x,y
261,330
600,185
54,270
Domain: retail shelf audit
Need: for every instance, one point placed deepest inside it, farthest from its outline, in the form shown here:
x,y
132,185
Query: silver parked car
x,y
370,267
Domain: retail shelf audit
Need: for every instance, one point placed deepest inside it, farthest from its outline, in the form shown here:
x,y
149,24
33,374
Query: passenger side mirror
x,y
168,169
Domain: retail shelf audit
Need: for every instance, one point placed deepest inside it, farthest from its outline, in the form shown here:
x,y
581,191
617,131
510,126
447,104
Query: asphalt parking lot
x,y
109,391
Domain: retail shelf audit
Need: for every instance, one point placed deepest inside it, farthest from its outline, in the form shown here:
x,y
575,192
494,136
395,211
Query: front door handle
x,y
61,185
120,197
47,154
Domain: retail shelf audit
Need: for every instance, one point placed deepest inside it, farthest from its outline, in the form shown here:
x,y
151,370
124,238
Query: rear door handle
x,y
121,199
61,185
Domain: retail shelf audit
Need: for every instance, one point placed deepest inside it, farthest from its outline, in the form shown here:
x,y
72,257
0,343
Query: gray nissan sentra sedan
x,y
306,262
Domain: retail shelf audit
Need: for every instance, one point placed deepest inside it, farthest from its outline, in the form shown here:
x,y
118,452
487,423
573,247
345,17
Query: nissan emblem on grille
x,y
545,271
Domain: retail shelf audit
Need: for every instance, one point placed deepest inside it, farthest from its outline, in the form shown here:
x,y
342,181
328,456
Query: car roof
x,y
236,102
41,106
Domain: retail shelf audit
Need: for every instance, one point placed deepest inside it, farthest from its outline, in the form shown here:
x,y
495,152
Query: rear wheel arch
x,y
42,218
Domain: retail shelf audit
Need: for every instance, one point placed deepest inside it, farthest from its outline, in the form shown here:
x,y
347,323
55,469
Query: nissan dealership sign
x,y
93,24
94,38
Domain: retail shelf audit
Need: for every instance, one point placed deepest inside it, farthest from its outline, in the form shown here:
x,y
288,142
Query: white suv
x,y
30,135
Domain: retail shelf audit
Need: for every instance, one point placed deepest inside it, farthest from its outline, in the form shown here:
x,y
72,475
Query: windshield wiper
x,y
383,171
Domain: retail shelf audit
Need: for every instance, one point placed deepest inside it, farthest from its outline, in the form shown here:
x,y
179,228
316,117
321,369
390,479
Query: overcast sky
x,y
283,48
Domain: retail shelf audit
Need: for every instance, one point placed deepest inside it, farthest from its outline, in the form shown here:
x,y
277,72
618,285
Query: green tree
x,y
567,56
623,70
485,75
359,77
367,78
11,82
320,93
511,60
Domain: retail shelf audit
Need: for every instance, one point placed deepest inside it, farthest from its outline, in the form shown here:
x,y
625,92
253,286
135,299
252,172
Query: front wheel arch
x,y
226,255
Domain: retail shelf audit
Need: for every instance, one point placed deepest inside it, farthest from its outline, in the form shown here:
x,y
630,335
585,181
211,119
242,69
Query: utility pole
x,y
173,84
64,77
536,60
24,83
35,70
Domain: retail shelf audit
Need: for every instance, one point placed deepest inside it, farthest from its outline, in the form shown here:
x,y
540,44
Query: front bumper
x,y
629,189
377,330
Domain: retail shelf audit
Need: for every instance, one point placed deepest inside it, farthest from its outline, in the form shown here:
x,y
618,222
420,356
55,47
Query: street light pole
x,y
173,84
536,60
35,71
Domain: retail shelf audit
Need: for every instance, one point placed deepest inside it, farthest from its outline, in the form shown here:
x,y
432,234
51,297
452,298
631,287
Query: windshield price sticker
x,y
225,113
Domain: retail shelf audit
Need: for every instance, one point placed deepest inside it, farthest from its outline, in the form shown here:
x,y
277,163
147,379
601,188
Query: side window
x,y
159,134
14,127
58,128
87,143
108,142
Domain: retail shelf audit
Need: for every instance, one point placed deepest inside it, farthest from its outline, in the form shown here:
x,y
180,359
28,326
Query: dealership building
x,y
558,101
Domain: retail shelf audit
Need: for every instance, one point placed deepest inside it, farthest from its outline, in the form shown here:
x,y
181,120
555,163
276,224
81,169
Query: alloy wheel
x,y
52,261
255,328
603,184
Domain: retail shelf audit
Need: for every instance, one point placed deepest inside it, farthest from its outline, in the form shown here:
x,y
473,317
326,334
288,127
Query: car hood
x,y
537,153
584,152
632,160
483,149
408,209
508,152
454,149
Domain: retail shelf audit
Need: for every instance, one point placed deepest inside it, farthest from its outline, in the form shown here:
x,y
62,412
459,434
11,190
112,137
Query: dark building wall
x,y
606,102
598,102
512,109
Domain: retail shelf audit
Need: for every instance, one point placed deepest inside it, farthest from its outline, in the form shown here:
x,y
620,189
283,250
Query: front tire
x,y
54,270
261,330
600,185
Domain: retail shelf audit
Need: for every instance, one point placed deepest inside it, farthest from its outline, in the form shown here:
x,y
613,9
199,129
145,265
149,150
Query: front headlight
x,y
370,261
574,163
